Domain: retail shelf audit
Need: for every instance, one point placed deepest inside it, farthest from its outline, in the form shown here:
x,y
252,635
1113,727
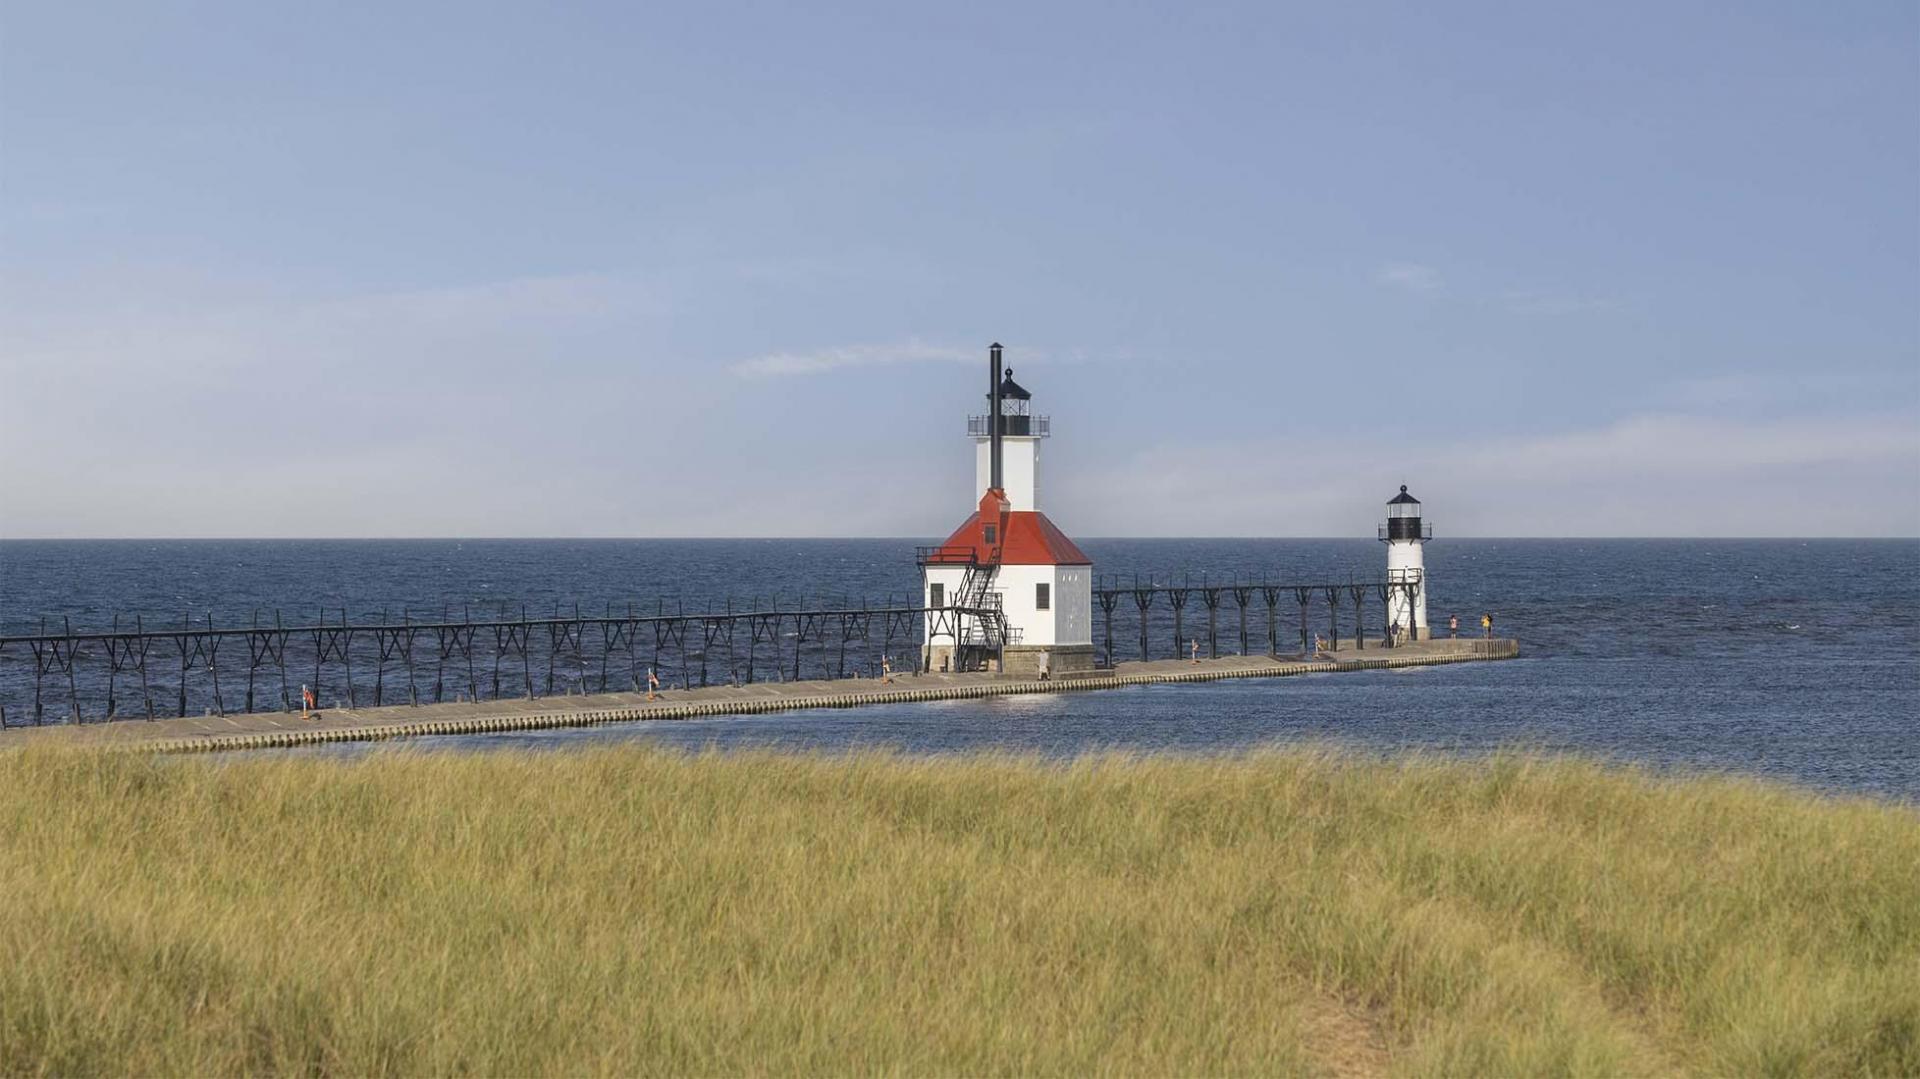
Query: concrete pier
x,y
264,730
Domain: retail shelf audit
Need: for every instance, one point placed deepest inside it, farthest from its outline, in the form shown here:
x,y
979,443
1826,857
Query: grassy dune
x,y
630,910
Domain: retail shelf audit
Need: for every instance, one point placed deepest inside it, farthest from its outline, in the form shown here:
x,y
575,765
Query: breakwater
x,y
266,730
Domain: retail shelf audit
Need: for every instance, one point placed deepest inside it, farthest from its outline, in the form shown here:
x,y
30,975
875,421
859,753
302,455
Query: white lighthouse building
x,y
1406,536
1008,557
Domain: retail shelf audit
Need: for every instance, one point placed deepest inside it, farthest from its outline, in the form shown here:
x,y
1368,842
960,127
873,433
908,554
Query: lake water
x,y
1791,659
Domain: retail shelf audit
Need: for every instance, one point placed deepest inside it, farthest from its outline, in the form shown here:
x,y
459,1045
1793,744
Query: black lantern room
x,y
1016,408
1403,518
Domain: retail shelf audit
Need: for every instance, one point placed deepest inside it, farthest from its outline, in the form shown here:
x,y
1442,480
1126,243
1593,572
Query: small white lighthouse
x,y
1406,536
1008,557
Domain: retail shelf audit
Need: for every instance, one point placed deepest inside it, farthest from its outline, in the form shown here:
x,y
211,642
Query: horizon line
x,y
901,538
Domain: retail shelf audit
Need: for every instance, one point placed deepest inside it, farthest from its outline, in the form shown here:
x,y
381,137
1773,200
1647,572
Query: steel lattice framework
x,y
134,670
1147,593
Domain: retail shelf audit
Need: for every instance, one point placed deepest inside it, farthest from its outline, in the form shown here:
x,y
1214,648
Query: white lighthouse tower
x,y
1406,536
1020,435
1008,557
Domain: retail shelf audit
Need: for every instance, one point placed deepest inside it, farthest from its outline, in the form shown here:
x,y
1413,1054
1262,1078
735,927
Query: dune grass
x,y
632,910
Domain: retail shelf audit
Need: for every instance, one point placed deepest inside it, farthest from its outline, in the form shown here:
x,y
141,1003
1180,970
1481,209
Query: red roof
x,y
1027,539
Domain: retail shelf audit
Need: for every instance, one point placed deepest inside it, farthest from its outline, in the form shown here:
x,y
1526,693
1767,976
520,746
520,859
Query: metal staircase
x,y
979,624
982,636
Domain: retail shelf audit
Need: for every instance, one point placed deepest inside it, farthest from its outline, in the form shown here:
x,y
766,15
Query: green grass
x,y
633,910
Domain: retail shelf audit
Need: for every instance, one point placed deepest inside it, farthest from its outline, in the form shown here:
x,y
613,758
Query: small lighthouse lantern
x,y
1016,407
1405,535
1403,518
1015,410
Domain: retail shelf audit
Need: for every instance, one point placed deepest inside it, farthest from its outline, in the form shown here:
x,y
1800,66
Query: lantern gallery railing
x,y
1145,596
1414,531
1013,425
198,666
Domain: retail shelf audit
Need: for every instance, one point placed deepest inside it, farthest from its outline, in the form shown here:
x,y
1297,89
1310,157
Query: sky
x,y
722,269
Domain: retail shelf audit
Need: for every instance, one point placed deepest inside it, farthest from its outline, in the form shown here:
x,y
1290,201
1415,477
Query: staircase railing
x,y
985,635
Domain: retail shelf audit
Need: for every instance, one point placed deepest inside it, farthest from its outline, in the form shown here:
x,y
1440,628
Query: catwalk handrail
x,y
407,623
190,631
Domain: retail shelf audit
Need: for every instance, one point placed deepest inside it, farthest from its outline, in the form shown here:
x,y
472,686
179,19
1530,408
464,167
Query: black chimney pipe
x,y
993,413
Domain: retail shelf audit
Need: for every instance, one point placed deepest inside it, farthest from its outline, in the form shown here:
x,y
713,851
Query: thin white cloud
x,y
382,331
822,360
1419,278
375,413
1658,474
1537,303
1794,391
1411,276
1702,448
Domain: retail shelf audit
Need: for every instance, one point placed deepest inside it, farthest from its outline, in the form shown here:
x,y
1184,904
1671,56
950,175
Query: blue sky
x,y
632,269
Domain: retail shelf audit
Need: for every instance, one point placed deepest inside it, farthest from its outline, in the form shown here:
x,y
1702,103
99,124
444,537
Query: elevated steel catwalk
x,y
198,666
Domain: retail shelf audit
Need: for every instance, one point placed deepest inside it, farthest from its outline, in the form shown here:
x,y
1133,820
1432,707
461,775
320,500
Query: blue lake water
x,y
1796,660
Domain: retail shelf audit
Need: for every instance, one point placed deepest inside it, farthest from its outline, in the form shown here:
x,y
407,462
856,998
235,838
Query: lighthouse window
x,y
1042,597
936,594
991,531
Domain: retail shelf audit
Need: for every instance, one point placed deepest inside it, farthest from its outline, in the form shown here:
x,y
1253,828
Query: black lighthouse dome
x,y
1011,390
1403,518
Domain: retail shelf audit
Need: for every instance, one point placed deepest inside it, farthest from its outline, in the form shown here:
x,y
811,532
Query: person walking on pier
x,y
886,670
1453,626
653,683
307,702
1193,647
1486,625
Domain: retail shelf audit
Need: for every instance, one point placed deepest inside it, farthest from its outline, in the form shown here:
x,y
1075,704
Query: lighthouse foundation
x,y
1056,660
1026,660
